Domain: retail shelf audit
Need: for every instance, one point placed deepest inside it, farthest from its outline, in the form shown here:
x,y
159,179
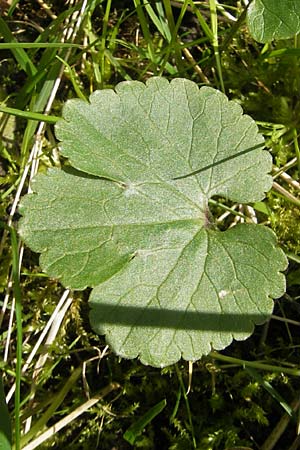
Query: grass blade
x,y
17,295
5,426
18,45
215,43
29,114
19,53
269,388
137,428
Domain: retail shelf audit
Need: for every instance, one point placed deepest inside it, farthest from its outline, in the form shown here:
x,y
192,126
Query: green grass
x,y
63,373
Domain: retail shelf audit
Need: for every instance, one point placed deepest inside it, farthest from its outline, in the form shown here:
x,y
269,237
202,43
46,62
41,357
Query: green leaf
x,y
136,429
273,19
182,302
126,222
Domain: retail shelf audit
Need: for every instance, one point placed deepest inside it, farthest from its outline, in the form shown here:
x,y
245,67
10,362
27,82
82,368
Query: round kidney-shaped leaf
x,y
273,19
130,219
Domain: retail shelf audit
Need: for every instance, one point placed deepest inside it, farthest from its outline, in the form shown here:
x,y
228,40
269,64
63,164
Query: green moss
x,y
285,221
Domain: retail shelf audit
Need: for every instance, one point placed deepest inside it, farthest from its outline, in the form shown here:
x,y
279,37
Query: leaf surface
x,y
127,221
274,19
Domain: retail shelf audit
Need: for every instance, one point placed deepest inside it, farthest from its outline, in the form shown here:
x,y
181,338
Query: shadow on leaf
x,y
168,318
